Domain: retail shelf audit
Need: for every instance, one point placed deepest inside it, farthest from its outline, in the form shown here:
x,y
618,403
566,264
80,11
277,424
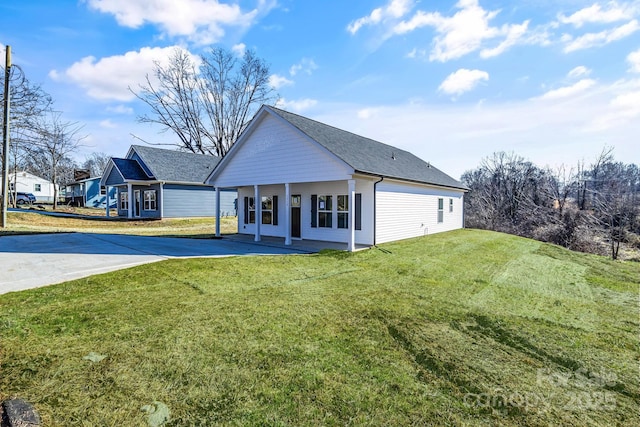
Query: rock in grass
x,y
19,413
95,357
158,414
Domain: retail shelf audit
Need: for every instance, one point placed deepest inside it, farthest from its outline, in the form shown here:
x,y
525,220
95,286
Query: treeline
x,y
590,208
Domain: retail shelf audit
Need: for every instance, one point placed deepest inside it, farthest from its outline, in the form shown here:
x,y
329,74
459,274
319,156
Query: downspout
x,y
375,184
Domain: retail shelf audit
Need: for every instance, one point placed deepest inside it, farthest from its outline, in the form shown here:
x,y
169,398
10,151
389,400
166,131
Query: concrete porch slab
x,y
306,246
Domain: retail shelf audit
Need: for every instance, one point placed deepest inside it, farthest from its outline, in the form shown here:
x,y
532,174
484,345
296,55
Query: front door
x,y
136,203
295,216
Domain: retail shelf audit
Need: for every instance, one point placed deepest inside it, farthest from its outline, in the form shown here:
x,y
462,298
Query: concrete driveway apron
x,y
30,261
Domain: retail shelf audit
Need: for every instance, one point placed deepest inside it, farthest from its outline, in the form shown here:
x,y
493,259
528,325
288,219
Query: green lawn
x,y
461,328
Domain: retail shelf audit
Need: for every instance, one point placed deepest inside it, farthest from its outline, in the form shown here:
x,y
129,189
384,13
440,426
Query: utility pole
x,y
5,139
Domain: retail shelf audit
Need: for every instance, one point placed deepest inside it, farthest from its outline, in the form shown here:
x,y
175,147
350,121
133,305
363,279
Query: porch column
x,y
352,215
217,212
108,201
130,201
258,205
287,213
161,201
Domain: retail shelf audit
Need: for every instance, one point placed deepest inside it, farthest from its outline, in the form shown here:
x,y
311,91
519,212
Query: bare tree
x,y
28,102
613,189
207,106
53,142
233,90
508,193
96,163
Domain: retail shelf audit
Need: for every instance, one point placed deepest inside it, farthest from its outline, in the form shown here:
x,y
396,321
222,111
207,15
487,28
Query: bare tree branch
x,y
207,106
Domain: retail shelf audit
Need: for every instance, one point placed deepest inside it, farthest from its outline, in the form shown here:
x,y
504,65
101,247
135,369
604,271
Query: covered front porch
x,y
138,199
332,212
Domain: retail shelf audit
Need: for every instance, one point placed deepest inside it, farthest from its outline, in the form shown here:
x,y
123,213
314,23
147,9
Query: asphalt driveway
x,y
30,261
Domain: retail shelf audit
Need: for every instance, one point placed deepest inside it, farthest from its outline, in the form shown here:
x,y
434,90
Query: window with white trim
x,y
343,211
450,205
440,210
325,211
124,201
150,203
267,209
37,187
252,210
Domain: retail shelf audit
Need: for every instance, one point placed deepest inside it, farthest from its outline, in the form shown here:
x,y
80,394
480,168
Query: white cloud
x,y
239,49
464,32
601,38
462,81
623,108
276,81
109,78
367,113
634,60
306,65
629,102
393,10
120,109
514,34
298,105
108,124
579,71
568,91
416,53
596,14
201,21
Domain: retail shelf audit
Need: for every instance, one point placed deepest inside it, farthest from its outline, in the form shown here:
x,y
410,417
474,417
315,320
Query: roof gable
x,y
175,166
130,170
272,152
367,155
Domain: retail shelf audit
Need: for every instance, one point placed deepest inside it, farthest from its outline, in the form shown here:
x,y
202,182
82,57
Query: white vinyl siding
x,y
184,201
406,210
276,153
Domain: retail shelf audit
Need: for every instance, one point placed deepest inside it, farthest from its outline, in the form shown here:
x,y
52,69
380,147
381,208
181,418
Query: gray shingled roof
x,y
368,156
176,166
130,169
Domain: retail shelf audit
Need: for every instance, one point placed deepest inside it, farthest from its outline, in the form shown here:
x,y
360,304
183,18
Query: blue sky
x,y
451,81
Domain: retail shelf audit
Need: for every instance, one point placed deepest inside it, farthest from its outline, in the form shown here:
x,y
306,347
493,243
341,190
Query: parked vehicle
x,y
25,198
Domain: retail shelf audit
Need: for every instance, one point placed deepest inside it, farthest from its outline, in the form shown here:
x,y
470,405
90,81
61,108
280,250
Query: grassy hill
x,y
462,328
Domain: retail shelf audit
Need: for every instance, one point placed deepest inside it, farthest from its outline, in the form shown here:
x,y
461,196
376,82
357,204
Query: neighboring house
x,y
301,179
157,183
29,183
88,192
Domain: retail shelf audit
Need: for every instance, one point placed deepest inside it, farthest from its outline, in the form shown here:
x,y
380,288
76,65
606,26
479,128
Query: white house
x,y
301,179
26,182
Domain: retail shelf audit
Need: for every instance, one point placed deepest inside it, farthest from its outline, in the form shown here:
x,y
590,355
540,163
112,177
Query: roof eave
x,y
415,181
